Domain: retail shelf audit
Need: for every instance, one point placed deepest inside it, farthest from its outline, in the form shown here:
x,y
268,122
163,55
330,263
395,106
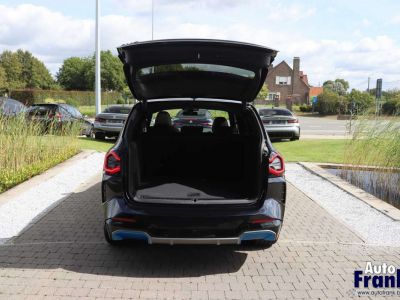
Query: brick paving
x,y
63,256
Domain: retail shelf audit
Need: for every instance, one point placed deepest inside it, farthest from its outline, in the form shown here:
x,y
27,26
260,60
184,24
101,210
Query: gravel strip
x,y
22,209
371,225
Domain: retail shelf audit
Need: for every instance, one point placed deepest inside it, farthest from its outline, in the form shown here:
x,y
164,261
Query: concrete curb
x,y
376,203
46,175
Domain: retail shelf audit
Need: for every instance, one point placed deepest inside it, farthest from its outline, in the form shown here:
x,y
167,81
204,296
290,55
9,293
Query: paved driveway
x,y
64,255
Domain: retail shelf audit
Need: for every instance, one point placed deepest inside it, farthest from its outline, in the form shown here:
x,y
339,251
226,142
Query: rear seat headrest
x,y
163,119
220,126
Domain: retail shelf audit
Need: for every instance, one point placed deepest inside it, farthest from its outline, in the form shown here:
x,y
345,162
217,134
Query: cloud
x,y
395,19
145,5
53,36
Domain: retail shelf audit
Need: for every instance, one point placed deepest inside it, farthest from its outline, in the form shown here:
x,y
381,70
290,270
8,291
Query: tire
x,y
99,136
295,138
91,133
108,238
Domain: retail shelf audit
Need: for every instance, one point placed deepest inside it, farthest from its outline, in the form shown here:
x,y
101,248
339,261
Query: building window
x,y
283,80
271,96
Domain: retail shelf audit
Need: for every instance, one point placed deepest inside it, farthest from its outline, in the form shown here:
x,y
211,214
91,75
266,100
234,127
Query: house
x,y
287,83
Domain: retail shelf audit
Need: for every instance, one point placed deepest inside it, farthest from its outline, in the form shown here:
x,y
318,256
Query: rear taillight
x,y
112,163
276,165
123,220
262,220
293,121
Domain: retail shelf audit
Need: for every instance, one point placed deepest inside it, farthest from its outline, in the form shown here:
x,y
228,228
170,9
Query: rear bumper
x,y
267,235
283,131
104,128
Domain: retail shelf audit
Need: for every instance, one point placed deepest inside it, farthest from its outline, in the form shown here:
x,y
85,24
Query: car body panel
x,y
281,126
57,114
214,69
111,122
10,107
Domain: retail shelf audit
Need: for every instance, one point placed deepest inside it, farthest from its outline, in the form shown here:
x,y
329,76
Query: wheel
x,y
90,134
295,138
108,238
99,136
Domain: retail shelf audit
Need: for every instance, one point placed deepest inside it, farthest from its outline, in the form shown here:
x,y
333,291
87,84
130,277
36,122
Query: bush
x,y
391,106
305,108
75,98
329,103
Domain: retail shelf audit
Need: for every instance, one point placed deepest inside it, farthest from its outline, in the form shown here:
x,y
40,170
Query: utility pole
x,y
97,57
368,84
152,19
378,95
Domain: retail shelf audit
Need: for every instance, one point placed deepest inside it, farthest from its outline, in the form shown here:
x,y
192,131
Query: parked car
x,y
58,114
280,123
193,117
10,107
163,186
110,122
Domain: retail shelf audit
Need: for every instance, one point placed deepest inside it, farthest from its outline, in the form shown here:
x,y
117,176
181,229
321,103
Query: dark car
x,y
110,122
194,187
280,123
10,107
58,114
193,117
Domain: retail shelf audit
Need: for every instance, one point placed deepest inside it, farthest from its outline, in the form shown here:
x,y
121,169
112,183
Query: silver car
x,y
110,122
280,123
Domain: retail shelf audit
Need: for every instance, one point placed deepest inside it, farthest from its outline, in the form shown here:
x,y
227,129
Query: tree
x,y
263,93
13,69
3,79
358,101
339,86
23,70
73,74
78,73
34,73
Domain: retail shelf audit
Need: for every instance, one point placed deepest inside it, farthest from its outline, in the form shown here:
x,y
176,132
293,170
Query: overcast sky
x,y
348,39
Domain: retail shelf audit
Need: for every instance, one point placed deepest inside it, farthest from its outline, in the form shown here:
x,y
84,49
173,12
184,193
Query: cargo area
x,y
195,167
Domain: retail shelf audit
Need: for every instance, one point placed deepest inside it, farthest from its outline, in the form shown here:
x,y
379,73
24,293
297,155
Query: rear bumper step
x,y
122,234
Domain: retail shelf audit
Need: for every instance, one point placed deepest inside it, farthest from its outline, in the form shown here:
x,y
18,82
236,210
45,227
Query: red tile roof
x,y
316,90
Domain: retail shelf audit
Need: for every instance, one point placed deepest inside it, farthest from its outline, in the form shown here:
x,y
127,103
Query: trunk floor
x,y
199,189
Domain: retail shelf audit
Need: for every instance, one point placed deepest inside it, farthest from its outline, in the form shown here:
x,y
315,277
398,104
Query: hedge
x,y
75,98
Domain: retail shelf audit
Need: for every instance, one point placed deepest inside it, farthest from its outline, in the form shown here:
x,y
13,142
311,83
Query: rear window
x,y
274,112
189,117
118,109
201,113
42,110
197,67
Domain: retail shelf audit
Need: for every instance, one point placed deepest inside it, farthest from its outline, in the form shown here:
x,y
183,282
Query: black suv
x,y
193,186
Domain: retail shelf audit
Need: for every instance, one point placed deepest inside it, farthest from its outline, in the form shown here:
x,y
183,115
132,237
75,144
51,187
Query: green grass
x,y
89,110
98,145
328,151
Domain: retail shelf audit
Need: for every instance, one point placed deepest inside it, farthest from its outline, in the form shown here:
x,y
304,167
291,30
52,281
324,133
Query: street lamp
x,y
97,57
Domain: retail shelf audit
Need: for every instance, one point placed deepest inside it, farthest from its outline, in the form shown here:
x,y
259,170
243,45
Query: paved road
x,y
63,255
323,127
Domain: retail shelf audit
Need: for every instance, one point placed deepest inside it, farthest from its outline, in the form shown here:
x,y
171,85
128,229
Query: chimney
x,y
296,72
